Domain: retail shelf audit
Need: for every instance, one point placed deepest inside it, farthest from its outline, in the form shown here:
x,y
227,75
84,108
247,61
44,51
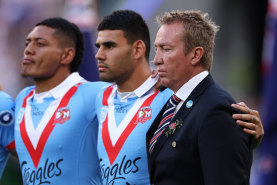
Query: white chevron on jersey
x,y
114,131
34,134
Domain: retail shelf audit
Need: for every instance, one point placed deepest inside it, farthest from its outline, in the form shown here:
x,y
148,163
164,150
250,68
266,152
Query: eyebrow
x,y
161,44
106,44
36,39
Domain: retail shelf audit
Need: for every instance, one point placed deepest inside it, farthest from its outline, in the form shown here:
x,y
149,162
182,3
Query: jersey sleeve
x,y
6,121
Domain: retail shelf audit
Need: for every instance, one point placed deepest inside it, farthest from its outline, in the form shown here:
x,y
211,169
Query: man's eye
x,y
40,44
110,46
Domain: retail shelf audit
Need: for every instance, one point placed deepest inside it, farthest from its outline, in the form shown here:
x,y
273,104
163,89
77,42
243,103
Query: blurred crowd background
x,y
245,57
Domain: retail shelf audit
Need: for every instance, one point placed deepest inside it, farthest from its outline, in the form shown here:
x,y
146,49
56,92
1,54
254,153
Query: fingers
x,y
158,85
242,107
154,73
250,120
255,130
242,104
249,128
250,132
250,115
254,119
247,117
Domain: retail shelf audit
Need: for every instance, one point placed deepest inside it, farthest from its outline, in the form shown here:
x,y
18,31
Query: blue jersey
x,y
6,128
122,134
56,135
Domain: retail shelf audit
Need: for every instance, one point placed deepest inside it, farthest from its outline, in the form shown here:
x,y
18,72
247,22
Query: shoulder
x,y
216,111
5,98
93,86
23,93
215,101
216,94
89,91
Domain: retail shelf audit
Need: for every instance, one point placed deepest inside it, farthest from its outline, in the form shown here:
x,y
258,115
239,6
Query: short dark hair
x,y
131,23
72,33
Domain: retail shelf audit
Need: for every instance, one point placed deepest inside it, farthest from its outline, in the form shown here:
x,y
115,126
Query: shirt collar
x,y
146,86
61,89
140,91
188,87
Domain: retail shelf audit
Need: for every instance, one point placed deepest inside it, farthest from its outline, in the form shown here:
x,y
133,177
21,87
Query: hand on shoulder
x,y
251,121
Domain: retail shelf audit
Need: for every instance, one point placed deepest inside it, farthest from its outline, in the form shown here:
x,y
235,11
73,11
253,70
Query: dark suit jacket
x,y
208,149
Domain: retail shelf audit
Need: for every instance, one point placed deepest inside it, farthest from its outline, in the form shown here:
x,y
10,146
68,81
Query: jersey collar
x,y
61,89
140,91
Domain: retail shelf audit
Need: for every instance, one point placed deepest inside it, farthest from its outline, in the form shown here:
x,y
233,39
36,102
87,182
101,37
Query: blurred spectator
x,y
267,166
84,13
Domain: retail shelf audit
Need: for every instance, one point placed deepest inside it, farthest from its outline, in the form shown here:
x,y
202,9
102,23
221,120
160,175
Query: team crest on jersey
x,y
6,118
62,115
144,114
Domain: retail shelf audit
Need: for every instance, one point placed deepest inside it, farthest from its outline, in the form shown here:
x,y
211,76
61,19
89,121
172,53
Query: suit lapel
x,y
182,113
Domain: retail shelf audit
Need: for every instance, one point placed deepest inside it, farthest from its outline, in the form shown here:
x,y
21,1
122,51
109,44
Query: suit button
x,y
174,144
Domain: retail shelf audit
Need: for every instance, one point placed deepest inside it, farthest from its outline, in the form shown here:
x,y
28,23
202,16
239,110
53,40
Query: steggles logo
x,y
119,171
43,175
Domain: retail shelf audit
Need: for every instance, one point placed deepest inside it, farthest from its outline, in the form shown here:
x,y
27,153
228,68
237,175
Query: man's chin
x,y
26,75
105,78
164,82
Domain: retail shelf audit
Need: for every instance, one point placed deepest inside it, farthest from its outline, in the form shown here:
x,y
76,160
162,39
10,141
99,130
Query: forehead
x,y
116,36
42,32
170,33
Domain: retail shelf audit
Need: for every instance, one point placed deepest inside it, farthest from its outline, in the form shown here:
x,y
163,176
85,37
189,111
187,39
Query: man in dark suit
x,y
194,140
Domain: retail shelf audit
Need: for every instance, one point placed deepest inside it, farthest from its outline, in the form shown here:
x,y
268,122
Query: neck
x,y
177,86
46,84
139,76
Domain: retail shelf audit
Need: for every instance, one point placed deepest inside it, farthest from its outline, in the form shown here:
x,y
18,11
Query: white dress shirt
x,y
184,92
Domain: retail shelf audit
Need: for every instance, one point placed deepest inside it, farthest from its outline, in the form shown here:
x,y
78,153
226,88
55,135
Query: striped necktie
x,y
166,118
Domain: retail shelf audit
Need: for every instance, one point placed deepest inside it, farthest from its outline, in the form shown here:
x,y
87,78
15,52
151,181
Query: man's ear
x,y
68,56
197,54
139,49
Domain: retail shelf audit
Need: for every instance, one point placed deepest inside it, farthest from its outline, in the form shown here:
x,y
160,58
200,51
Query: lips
x,y
161,72
27,61
101,67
